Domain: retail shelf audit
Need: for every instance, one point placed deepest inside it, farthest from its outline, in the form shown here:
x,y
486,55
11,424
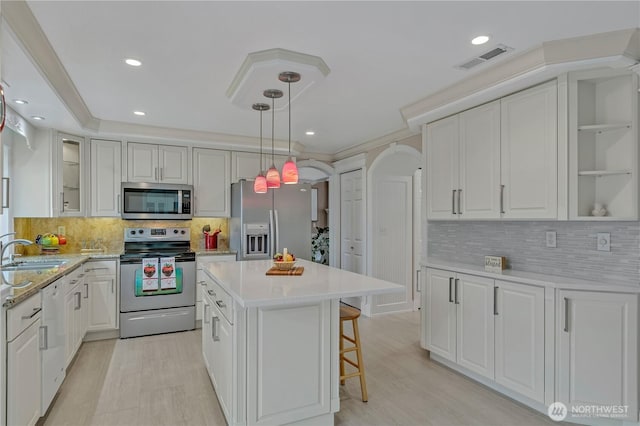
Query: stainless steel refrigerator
x,y
263,224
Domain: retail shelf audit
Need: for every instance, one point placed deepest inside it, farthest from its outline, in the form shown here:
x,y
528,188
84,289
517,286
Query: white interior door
x,y
392,254
352,222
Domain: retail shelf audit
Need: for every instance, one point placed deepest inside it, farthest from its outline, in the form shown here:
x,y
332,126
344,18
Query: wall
x,y
110,230
414,141
523,243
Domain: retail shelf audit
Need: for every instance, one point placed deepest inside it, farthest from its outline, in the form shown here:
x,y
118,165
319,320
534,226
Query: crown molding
x,y
614,49
375,143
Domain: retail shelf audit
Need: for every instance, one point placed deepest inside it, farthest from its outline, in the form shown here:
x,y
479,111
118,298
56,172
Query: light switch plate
x,y
551,239
603,241
61,230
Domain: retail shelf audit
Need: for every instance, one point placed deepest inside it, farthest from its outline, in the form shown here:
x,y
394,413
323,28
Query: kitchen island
x,y
271,343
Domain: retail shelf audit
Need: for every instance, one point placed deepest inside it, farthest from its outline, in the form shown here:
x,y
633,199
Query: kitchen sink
x,y
30,266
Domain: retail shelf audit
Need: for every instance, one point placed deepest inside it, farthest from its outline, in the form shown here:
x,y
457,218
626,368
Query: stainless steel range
x,y
157,282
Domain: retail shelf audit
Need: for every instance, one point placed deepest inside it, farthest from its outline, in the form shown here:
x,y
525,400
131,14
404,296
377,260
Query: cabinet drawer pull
x,y
203,283
450,289
495,300
33,314
501,199
211,292
86,290
566,314
453,201
459,201
205,315
78,300
95,269
456,288
221,304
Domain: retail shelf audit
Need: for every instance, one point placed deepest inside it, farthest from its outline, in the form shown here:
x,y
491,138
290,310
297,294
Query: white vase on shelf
x,y
599,210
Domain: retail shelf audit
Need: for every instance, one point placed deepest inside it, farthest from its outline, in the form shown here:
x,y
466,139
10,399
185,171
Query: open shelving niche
x,y
603,137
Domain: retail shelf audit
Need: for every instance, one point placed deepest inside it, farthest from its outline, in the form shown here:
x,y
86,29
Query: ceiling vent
x,y
487,56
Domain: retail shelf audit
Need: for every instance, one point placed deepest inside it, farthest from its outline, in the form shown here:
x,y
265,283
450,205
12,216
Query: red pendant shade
x,y
260,184
289,172
273,178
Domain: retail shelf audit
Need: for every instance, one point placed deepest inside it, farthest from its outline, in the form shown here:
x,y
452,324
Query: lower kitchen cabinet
x,y
519,338
201,283
74,328
24,379
597,336
101,286
492,328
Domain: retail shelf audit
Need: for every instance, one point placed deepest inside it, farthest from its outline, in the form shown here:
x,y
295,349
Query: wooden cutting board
x,y
298,270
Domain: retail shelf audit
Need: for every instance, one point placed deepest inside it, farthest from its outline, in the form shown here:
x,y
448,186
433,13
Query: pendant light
x,y
260,184
273,177
289,170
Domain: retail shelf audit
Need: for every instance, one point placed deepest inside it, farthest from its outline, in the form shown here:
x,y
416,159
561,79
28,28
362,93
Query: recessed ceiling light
x,y
139,113
480,40
309,133
133,62
20,101
37,117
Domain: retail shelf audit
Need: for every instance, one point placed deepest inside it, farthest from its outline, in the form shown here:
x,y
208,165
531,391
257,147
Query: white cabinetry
x,y
597,336
529,144
71,175
201,278
498,160
24,378
519,338
491,328
157,163
603,144
73,318
211,182
106,177
101,284
246,165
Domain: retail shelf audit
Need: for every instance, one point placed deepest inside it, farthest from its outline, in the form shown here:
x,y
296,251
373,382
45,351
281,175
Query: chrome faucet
x,y
2,236
10,243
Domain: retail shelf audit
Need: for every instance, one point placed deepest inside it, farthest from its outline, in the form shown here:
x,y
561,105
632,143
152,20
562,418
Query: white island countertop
x,y
248,285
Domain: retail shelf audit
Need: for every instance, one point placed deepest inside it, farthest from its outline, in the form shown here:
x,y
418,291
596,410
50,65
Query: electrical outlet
x,y
551,239
61,230
603,241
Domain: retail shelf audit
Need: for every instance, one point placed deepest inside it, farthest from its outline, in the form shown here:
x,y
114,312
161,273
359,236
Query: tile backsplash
x,y
524,245
109,230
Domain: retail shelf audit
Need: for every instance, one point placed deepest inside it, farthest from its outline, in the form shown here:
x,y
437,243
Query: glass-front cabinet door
x,y
71,190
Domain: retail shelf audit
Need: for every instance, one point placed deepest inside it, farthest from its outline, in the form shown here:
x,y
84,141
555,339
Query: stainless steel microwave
x,y
156,201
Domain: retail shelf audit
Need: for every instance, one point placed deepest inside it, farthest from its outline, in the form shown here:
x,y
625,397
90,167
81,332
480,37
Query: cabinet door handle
x,y
501,199
44,331
62,202
113,284
459,203
453,201
6,191
118,206
78,300
495,300
214,327
33,314
456,288
566,314
221,304
418,283
155,173
450,289
161,170
204,314
86,290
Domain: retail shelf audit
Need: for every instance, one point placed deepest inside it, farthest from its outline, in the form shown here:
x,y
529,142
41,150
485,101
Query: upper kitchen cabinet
x,y
70,150
496,161
49,176
106,177
157,163
246,165
212,182
529,152
463,165
603,144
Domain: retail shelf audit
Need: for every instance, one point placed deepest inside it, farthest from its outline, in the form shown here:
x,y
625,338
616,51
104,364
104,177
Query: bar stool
x,y
349,313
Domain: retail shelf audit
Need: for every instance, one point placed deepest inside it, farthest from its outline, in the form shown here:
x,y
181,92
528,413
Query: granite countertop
x,y
24,284
214,252
248,285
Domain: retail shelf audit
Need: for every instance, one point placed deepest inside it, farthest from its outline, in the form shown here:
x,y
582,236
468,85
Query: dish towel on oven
x,y
148,282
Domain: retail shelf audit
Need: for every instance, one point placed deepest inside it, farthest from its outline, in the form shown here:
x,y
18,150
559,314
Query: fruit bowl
x,y
284,265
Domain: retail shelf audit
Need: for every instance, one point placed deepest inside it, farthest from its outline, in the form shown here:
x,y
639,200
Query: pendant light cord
x,y
273,113
289,82
261,142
